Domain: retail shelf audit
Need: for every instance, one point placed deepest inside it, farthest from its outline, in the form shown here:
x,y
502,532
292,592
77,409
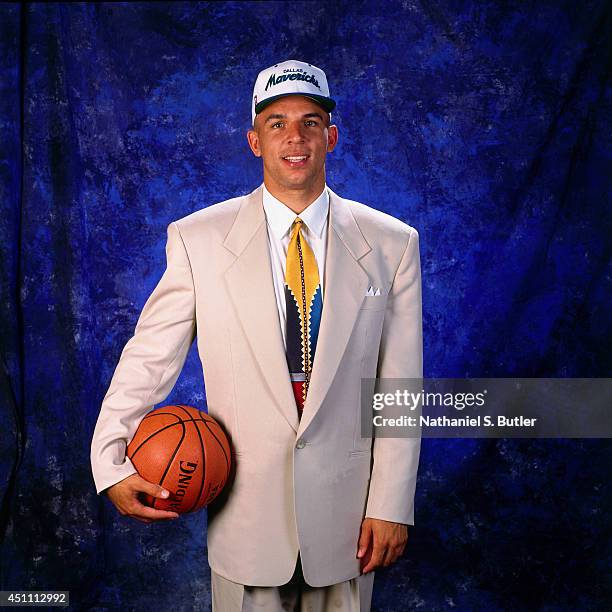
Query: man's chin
x,y
296,181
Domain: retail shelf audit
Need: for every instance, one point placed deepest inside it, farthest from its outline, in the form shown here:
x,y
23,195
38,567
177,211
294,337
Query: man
x,y
296,295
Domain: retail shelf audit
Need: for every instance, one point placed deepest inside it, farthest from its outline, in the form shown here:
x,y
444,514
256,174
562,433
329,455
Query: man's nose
x,y
295,132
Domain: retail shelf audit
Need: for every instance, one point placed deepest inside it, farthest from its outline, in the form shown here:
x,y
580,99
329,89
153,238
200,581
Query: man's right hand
x,y
124,495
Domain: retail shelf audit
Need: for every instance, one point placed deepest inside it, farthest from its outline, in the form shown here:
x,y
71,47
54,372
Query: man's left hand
x,y
380,543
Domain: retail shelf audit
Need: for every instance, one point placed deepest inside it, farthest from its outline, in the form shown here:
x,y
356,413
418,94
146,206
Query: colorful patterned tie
x,y
304,305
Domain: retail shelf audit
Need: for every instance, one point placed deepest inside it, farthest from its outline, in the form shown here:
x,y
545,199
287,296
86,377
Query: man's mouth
x,y
296,161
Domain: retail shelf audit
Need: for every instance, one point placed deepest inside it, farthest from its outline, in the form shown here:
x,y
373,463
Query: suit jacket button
x,y
300,443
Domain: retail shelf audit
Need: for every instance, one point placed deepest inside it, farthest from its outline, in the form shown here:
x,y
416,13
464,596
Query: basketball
x,y
185,451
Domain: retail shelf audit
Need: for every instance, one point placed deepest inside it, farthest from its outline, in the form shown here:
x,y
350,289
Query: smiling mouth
x,y
296,161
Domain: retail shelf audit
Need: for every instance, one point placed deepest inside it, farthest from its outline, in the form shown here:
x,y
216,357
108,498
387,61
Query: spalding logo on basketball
x,y
185,451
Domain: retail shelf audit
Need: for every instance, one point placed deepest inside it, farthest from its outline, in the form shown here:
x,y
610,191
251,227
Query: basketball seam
x,y
155,433
203,479
173,456
218,442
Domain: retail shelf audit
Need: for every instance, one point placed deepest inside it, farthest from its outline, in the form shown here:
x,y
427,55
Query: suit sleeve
x,y
149,365
395,460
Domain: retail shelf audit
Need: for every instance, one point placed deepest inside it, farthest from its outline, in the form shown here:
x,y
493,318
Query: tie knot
x,y
296,226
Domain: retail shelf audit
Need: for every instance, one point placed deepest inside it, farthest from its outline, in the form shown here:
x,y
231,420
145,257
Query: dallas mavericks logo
x,y
292,76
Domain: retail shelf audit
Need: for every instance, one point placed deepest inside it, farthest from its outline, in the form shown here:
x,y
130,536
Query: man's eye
x,y
277,123
312,121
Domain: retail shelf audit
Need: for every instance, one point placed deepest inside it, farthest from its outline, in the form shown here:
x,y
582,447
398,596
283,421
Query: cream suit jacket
x,y
305,484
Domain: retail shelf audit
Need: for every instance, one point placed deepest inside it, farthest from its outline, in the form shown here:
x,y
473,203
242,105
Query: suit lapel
x,y
345,285
251,287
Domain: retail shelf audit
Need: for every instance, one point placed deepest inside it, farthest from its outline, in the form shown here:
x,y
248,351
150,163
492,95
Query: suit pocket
x,y
377,302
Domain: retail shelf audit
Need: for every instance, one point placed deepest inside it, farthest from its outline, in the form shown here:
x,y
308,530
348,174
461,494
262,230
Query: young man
x,y
296,295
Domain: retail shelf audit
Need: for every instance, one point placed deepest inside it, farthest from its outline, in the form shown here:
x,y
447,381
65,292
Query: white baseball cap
x,y
290,78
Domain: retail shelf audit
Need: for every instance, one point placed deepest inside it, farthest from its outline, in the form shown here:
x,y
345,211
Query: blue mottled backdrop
x,y
484,125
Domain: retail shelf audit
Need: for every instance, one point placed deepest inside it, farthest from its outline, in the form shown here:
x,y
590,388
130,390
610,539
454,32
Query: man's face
x,y
293,127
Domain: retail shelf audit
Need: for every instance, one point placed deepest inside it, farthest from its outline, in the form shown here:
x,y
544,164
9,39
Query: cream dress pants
x,y
353,595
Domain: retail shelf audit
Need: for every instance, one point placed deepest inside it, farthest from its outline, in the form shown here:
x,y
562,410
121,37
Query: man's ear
x,y
332,137
253,139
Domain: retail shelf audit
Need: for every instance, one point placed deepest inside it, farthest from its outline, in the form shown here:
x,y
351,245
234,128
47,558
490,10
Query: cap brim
x,y
327,103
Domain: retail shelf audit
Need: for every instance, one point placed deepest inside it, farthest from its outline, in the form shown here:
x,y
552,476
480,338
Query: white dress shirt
x,y
279,218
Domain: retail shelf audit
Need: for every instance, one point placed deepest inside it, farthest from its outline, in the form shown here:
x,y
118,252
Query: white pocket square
x,y
372,291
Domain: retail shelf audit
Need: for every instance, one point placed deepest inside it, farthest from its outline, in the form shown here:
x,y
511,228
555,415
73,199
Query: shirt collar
x,y
280,217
